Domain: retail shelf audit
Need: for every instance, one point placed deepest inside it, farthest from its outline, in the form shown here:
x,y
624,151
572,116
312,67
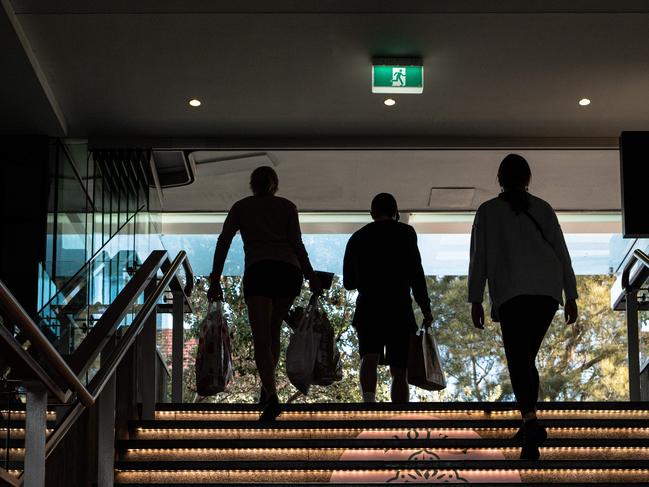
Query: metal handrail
x,y
630,288
100,334
637,256
189,275
99,381
9,479
18,315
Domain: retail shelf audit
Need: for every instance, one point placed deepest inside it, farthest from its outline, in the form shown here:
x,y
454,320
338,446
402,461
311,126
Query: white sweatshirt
x,y
509,252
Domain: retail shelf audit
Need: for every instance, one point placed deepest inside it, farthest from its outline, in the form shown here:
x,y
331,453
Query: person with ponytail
x,y
518,249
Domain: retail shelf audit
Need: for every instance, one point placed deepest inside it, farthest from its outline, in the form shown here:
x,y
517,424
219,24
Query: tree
x,y
582,362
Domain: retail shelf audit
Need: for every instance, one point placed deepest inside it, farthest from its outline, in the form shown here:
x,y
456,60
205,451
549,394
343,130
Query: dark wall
x,y
634,168
24,193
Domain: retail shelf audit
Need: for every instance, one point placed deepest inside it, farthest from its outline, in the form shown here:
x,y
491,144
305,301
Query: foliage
x,y
586,361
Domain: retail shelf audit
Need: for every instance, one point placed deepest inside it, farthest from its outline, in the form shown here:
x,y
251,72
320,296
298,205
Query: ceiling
x,y
421,180
505,69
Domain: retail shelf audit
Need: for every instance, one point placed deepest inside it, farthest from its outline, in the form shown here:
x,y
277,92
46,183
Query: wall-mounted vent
x,y
221,164
174,169
451,198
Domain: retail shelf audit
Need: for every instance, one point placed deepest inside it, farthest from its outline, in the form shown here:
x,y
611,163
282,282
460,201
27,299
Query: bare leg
x,y
280,310
399,391
260,311
369,363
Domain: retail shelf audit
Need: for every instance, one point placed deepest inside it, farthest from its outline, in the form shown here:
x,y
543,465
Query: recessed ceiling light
x,y
584,102
390,102
195,103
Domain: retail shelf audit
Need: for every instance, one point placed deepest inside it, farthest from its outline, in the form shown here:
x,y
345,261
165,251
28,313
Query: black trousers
x,y
524,321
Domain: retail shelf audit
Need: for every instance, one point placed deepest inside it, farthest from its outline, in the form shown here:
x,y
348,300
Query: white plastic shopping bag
x,y
424,363
303,349
214,358
328,366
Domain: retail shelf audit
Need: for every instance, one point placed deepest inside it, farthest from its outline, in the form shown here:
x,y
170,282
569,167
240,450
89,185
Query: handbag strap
x,y
538,227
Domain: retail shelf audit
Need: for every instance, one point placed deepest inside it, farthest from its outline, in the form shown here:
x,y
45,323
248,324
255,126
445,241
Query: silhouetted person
x,y
275,263
517,246
382,261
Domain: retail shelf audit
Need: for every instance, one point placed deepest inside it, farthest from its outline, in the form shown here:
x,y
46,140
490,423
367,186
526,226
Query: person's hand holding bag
x,y
477,315
570,311
215,291
315,285
428,320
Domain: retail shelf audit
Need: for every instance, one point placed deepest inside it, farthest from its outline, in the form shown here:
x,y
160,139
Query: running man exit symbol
x,y
397,79
398,76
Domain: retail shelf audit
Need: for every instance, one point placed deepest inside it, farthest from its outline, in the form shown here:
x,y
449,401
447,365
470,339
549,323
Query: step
x,y
389,452
465,411
17,433
387,429
367,444
475,442
345,484
268,433
368,472
19,415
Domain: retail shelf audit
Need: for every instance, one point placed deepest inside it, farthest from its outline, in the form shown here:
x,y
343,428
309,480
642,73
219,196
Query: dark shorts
x,y
392,348
272,279
384,327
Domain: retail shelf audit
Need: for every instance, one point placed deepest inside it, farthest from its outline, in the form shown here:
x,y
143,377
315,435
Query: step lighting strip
x,y
432,412
384,475
299,430
355,454
448,450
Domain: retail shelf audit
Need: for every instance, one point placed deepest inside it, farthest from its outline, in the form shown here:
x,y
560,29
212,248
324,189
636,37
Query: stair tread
x,y
358,484
374,443
418,406
142,464
382,465
385,423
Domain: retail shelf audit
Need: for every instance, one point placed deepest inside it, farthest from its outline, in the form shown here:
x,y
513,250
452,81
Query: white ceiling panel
x,y
346,180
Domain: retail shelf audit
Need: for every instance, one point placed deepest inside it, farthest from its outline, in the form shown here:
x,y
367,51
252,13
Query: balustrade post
x,y
633,345
148,359
35,434
177,347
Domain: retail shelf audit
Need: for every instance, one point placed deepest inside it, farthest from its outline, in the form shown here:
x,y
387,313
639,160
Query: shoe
x,y
271,409
533,436
530,452
534,433
519,437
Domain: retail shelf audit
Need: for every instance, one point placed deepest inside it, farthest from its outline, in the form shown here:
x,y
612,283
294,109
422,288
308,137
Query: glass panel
x,y
579,363
72,205
96,241
73,312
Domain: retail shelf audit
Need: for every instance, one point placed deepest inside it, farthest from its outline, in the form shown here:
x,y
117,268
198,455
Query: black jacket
x,y
382,261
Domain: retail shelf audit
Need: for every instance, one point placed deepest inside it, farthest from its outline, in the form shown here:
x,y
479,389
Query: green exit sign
x,y
397,78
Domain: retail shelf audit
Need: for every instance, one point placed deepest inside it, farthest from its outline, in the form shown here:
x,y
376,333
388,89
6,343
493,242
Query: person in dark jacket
x,y
382,262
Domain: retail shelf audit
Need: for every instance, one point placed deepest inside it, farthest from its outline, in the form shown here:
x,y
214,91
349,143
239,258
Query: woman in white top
x,y
517,247
275,263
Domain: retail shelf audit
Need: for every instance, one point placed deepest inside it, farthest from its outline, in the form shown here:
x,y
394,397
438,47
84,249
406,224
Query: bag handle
x,y
314,300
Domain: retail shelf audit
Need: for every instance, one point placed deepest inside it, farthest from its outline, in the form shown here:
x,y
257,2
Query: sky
x,y
442,254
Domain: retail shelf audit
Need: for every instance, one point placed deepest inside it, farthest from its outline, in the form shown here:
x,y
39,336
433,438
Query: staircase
x,y
344,444
12,437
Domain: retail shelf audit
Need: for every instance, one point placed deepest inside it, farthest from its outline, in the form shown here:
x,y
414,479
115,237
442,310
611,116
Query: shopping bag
x,y
302,350
424,364
214,358
328,366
